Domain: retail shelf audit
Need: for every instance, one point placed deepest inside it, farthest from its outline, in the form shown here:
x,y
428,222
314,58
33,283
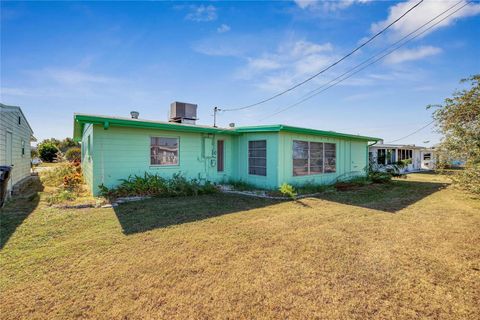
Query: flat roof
x,y
81,119
397,146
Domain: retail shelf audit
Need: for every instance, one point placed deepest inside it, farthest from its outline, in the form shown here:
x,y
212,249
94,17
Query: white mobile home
x,y
420,158
15,137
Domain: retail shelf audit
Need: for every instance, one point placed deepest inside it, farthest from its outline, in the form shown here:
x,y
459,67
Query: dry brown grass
x,y
403,251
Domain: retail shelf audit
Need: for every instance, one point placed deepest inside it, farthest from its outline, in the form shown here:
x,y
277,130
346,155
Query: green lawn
x,y
407,250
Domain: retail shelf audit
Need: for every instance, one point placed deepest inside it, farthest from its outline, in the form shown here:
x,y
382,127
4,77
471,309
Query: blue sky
x,y
109,58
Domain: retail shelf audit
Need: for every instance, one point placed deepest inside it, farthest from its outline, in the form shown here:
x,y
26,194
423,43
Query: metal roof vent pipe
x,y
134,114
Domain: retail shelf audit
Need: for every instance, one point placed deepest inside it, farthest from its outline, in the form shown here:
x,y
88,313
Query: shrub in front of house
x,y
288,190
73,154
155,185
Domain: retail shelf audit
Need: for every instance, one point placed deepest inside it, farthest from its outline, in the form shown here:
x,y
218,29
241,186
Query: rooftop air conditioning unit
x,y
182,112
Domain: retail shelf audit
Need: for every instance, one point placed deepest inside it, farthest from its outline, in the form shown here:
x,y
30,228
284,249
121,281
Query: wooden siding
x,y
20,132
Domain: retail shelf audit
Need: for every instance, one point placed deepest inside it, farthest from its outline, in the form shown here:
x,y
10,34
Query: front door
x,y
9,159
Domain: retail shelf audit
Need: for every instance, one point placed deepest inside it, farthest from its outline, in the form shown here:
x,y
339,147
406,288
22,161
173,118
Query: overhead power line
x,y
411,134
328,67
348,74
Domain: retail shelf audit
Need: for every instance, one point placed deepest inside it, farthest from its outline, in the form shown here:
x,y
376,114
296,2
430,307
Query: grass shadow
x,y
135,217
17,209
391,197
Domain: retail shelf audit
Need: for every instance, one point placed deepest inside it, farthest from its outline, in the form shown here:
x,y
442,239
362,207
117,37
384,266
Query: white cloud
x,y
223,28
327,5
412,54
75,77
290,63
421,14
202,13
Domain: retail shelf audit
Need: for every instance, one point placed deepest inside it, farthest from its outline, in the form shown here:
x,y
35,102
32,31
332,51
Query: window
x,y
381,156
163,151
220,155
330,157
404,154
313,158
427,156
257,157
23,148
19,120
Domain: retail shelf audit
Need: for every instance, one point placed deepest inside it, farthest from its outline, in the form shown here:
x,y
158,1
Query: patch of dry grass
x,y
400,251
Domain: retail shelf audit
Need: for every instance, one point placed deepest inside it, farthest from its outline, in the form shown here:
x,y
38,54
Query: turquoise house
x,y
267,156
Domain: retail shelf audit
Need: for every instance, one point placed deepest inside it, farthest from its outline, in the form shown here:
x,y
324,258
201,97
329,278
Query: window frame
x,y
248,158
22,146
309,158
150,151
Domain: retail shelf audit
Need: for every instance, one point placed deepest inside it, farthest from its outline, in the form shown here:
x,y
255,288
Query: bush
x,y
240,185
47,151
73,154
288,191
68,176
380,177
155,185
468,179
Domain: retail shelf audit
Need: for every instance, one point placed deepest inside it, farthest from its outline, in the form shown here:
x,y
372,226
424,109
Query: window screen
x,y
313,158
300,158
330,157
257,157
163,151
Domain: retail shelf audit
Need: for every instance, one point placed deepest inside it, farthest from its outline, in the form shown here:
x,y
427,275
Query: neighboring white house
x,y
387,154
15,137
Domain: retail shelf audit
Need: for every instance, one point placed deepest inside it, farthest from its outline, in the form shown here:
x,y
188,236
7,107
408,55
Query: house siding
x,y
351,159
120,152
20,132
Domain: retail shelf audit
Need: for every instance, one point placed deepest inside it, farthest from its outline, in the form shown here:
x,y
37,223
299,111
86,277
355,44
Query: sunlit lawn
x,y
406,250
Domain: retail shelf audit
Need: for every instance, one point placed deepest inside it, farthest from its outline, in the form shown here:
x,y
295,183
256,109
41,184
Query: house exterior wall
x,y
19,132
416,155
351,159
119,152
241,155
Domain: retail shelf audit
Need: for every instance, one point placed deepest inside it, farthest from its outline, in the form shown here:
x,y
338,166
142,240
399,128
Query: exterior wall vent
x,y
182,112
134,114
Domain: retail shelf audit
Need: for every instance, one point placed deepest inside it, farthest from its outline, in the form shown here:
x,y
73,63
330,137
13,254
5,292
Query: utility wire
x,y
327,68
386,49
332,83
411,134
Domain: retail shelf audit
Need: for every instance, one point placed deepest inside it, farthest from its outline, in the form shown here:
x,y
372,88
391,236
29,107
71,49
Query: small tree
x,y
47,151
458,119
66,144
73,154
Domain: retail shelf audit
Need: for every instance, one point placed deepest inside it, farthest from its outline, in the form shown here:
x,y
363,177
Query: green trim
x,y
280,127
106,122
